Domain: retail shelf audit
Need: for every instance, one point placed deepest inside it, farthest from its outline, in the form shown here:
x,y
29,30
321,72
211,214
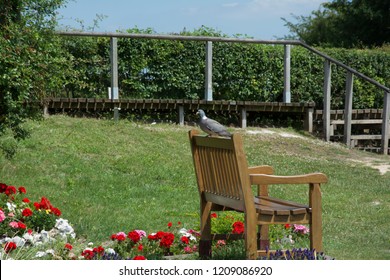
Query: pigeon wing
x,y
215,128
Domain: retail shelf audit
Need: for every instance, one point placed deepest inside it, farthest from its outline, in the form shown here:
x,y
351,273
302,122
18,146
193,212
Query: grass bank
x,y
110,176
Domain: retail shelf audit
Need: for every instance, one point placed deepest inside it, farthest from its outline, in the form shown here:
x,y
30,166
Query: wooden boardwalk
x,y
182,105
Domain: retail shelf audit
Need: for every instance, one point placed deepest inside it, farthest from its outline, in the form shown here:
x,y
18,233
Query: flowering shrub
x,y
37,226
137,244
23,222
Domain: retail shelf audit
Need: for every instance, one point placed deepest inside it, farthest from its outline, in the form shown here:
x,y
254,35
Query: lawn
x,y
108,176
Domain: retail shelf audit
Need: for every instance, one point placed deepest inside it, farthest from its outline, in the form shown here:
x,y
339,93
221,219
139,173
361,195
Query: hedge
x,y
176,69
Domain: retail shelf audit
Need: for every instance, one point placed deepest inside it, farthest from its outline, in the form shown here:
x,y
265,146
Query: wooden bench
x,y
224,183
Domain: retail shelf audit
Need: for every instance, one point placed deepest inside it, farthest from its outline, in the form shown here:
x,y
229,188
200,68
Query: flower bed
x,y
35,230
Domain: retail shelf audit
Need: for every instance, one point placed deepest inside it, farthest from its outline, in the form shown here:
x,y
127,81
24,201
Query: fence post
x,y
287,66
114,73
385,123
348,109
326,109
208,95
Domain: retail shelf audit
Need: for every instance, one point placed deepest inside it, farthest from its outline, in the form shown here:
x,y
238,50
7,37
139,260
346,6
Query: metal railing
x,y
328,61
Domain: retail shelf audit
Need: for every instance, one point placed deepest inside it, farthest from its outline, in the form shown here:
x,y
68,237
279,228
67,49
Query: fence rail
x,y
328,61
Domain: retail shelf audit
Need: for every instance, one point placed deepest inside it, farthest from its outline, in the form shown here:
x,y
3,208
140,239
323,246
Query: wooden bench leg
x,y
316,218
263,241
205,249
205,230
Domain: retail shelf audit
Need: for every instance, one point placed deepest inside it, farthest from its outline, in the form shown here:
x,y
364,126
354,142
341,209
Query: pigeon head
x,y
201,114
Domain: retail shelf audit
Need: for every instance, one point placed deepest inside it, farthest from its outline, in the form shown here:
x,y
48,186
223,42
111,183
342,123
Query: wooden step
x,y
368,121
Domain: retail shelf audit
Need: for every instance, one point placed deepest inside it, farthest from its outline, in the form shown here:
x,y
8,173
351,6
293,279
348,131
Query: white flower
x,y
184,232
40,254
50,251
28,237
11,207
19,241
287,240
90,244
110,251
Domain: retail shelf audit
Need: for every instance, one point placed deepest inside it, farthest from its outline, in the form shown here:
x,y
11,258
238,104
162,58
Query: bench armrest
x,y
312,178
261,169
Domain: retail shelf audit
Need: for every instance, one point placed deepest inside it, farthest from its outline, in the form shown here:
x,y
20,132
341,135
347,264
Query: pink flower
x,y
188,249
221,243
141,233
14,224
2,216
301,229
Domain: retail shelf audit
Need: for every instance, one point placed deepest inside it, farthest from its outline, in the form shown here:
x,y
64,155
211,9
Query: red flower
x,y
26,200
30,231
22,189
152,237
134,236
99,250
167,240
27,212
113,236
3,187
56,211
10,190
88,254
238,227
214,215
21,225
287,226
139,258
68,246
160,234
170,224
185,239
140,247
9,246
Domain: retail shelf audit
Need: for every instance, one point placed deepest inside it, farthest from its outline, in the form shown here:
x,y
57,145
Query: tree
x,y
32,63
345,23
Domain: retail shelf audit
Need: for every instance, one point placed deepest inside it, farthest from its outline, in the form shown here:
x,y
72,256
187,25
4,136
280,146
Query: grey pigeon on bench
x,y
210,126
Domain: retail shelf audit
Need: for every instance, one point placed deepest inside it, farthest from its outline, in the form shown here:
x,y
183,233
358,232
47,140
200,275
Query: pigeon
x,y
210,126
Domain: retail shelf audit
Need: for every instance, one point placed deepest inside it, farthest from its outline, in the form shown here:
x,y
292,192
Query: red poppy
x,y
68,246
140,247
26,200
287,226
214,215
170,224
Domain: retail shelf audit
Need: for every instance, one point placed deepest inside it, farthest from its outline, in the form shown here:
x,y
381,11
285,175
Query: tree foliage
x,y
32,64
345,23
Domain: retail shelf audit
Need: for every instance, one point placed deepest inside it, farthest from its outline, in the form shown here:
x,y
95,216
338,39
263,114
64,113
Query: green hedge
x,y
176,69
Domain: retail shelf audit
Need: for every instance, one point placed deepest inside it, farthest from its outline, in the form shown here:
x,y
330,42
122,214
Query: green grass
x,y
110,176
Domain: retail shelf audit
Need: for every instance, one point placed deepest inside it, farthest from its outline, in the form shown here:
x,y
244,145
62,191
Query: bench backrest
x,y
221,169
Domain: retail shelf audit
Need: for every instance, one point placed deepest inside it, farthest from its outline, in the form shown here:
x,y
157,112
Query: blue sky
x,y
260,19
